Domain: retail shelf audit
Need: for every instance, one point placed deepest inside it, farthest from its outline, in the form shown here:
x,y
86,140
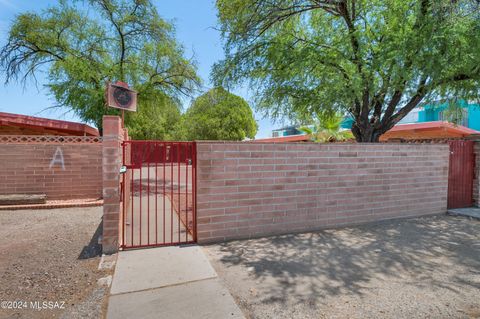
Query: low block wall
x,y
61,167
249,190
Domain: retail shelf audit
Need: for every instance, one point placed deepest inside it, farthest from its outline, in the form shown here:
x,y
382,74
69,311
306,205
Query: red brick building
x,y
60,159
17,124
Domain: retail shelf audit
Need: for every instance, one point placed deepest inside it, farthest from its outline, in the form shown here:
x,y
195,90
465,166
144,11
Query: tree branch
x,y
422,90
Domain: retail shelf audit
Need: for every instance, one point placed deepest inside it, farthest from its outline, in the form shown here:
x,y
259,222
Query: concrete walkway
x,y
473,212
157,222
168,282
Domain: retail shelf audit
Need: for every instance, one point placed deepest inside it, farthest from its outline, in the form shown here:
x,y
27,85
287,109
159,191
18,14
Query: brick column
x,y
113,136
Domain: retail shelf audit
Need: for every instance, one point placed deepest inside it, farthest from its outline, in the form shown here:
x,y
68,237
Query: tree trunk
x,y
366,133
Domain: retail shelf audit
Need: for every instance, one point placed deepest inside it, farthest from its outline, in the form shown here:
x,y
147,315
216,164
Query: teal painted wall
x,y
347,123
474,116
422,116
431,113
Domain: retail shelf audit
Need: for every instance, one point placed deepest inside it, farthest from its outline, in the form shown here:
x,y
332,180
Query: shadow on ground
x,y
93,249
417,259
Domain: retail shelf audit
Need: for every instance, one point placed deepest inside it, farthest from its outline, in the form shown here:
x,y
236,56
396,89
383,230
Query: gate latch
x,y
123,169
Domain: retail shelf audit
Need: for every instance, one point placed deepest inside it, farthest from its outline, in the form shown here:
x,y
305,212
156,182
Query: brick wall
x,y
249,190
62,170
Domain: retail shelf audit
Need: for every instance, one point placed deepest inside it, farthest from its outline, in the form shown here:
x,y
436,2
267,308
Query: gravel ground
x,y
51,255
415,268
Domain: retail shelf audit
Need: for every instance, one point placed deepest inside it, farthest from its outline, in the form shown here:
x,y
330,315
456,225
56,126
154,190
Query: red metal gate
x,y
461,173
159,197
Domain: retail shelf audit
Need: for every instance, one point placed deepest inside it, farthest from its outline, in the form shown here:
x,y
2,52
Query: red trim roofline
x,y
433,125
283,139
71,128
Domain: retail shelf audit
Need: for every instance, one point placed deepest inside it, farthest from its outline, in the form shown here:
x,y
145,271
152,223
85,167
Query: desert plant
x,y
327,128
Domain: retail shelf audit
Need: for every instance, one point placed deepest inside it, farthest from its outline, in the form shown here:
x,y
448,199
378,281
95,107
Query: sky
x,y
195,22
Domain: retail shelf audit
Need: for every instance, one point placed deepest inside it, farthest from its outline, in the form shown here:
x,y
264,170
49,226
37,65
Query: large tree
x,y
373,59
83,44
157,118
217,115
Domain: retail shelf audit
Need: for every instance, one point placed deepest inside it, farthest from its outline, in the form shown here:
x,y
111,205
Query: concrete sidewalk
x,y
168,282
473,212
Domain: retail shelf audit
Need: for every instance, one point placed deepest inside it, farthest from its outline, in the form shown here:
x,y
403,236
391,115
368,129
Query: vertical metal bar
x,y
156,192
187,151
124,222
473,158
194,190
141,186
450,175
451,178
459,187
449,187
462,173
132,191
459,175
164,182
461,147
472,171
469,175
171,192
179,149
148,191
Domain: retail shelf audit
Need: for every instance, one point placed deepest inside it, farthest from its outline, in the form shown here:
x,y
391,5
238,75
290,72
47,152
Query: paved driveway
x,y
416,268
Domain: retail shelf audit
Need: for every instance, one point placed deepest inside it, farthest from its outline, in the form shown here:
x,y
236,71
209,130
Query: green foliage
x,y
374,59
82,46
455,112
217,115
155,120
327,128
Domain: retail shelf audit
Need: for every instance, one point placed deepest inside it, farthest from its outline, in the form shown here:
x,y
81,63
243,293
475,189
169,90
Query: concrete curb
x,y
52,205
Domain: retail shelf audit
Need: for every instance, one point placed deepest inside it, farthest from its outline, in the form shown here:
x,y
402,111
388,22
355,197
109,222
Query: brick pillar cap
x,y
112,117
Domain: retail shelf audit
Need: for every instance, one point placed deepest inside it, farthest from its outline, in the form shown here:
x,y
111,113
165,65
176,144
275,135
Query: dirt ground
x,y
414,268
51,256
